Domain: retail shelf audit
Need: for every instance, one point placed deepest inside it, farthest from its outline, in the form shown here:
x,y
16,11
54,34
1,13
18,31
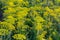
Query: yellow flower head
x,y
46,13
21,14
38,27
8,26
54,33
26,3
10,17
20,0
11,4
11,9
50,38
19,36
4,32
47,9
57,10
39,19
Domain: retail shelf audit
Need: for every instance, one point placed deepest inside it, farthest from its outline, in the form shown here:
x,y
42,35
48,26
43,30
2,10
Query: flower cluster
x,y
30,19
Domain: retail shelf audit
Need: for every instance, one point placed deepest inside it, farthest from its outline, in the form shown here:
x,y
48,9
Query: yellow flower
x,y
40,37
11,27
21,14
10,3
54,33
50,38
20,0
39,19
19,36
44,33
57,10
21,22
4,32
8,26
46,13
51,11
47,9
11,9
38,27
8,11
26,3
53,14
9,16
